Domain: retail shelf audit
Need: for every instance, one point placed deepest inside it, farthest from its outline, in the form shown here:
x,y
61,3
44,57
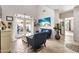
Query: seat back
x,y
38,39
49,31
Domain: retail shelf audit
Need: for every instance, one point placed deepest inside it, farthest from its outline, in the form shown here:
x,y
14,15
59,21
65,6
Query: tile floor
x,y
70,43
52,46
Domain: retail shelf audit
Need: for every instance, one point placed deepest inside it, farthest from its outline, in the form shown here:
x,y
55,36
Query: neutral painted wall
x,y
0,11
5,40
72,24
35,11
0,26
43,12
76,23
56,17
11,10
66,14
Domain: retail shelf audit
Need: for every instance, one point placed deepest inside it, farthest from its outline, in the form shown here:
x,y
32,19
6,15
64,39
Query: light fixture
x,y
44,10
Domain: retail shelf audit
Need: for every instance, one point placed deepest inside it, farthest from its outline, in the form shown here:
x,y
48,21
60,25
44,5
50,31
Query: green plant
x,y
57,26
57,29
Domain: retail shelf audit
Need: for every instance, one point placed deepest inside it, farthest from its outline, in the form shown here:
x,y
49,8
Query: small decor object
x,y
3,25
9,25
9,18
57,36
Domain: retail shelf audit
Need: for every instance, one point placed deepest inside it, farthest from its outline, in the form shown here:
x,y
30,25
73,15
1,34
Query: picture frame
x,y
9,18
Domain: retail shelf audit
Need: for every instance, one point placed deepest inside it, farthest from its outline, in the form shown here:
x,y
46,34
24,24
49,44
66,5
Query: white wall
x,y
72,25
76,23
5,41
67,14
32,10
48,13
0,11
11,10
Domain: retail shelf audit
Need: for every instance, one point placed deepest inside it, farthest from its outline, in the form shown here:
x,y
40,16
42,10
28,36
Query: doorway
x,y
69,28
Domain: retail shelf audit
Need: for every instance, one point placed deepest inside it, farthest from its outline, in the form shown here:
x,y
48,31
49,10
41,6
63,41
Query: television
x,y
45,21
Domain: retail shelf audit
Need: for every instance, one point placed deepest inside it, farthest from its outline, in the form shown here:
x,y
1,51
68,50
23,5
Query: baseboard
x,y
5,51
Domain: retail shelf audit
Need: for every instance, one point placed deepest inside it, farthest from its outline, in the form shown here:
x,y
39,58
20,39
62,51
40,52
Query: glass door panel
x,y
19,26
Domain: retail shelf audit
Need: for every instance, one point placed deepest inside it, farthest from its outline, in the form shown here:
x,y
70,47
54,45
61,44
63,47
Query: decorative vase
x,y
57,36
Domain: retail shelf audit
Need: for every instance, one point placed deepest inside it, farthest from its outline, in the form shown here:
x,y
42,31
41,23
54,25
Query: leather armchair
x,y
37,40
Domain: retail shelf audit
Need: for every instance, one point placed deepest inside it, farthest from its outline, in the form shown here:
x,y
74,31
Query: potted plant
x,y
57,29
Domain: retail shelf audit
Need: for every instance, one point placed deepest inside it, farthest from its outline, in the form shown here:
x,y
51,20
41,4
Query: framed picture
x,y
9,18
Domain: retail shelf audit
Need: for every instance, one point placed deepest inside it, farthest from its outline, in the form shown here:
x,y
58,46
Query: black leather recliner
x,y
37,40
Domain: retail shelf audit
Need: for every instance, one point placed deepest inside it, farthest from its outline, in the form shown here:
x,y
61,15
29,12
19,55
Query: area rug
x,y
73,47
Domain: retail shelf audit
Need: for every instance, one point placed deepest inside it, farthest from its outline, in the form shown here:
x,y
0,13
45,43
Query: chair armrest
x,y
30,37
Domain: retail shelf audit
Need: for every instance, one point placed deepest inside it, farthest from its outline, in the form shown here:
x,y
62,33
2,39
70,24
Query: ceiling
x,y
61,8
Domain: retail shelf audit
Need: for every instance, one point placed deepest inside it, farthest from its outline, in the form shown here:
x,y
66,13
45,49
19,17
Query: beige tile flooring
x,y
69,39
52,46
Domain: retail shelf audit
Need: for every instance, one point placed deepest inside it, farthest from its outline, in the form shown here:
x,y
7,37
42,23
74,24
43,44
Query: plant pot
x,y
57,36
